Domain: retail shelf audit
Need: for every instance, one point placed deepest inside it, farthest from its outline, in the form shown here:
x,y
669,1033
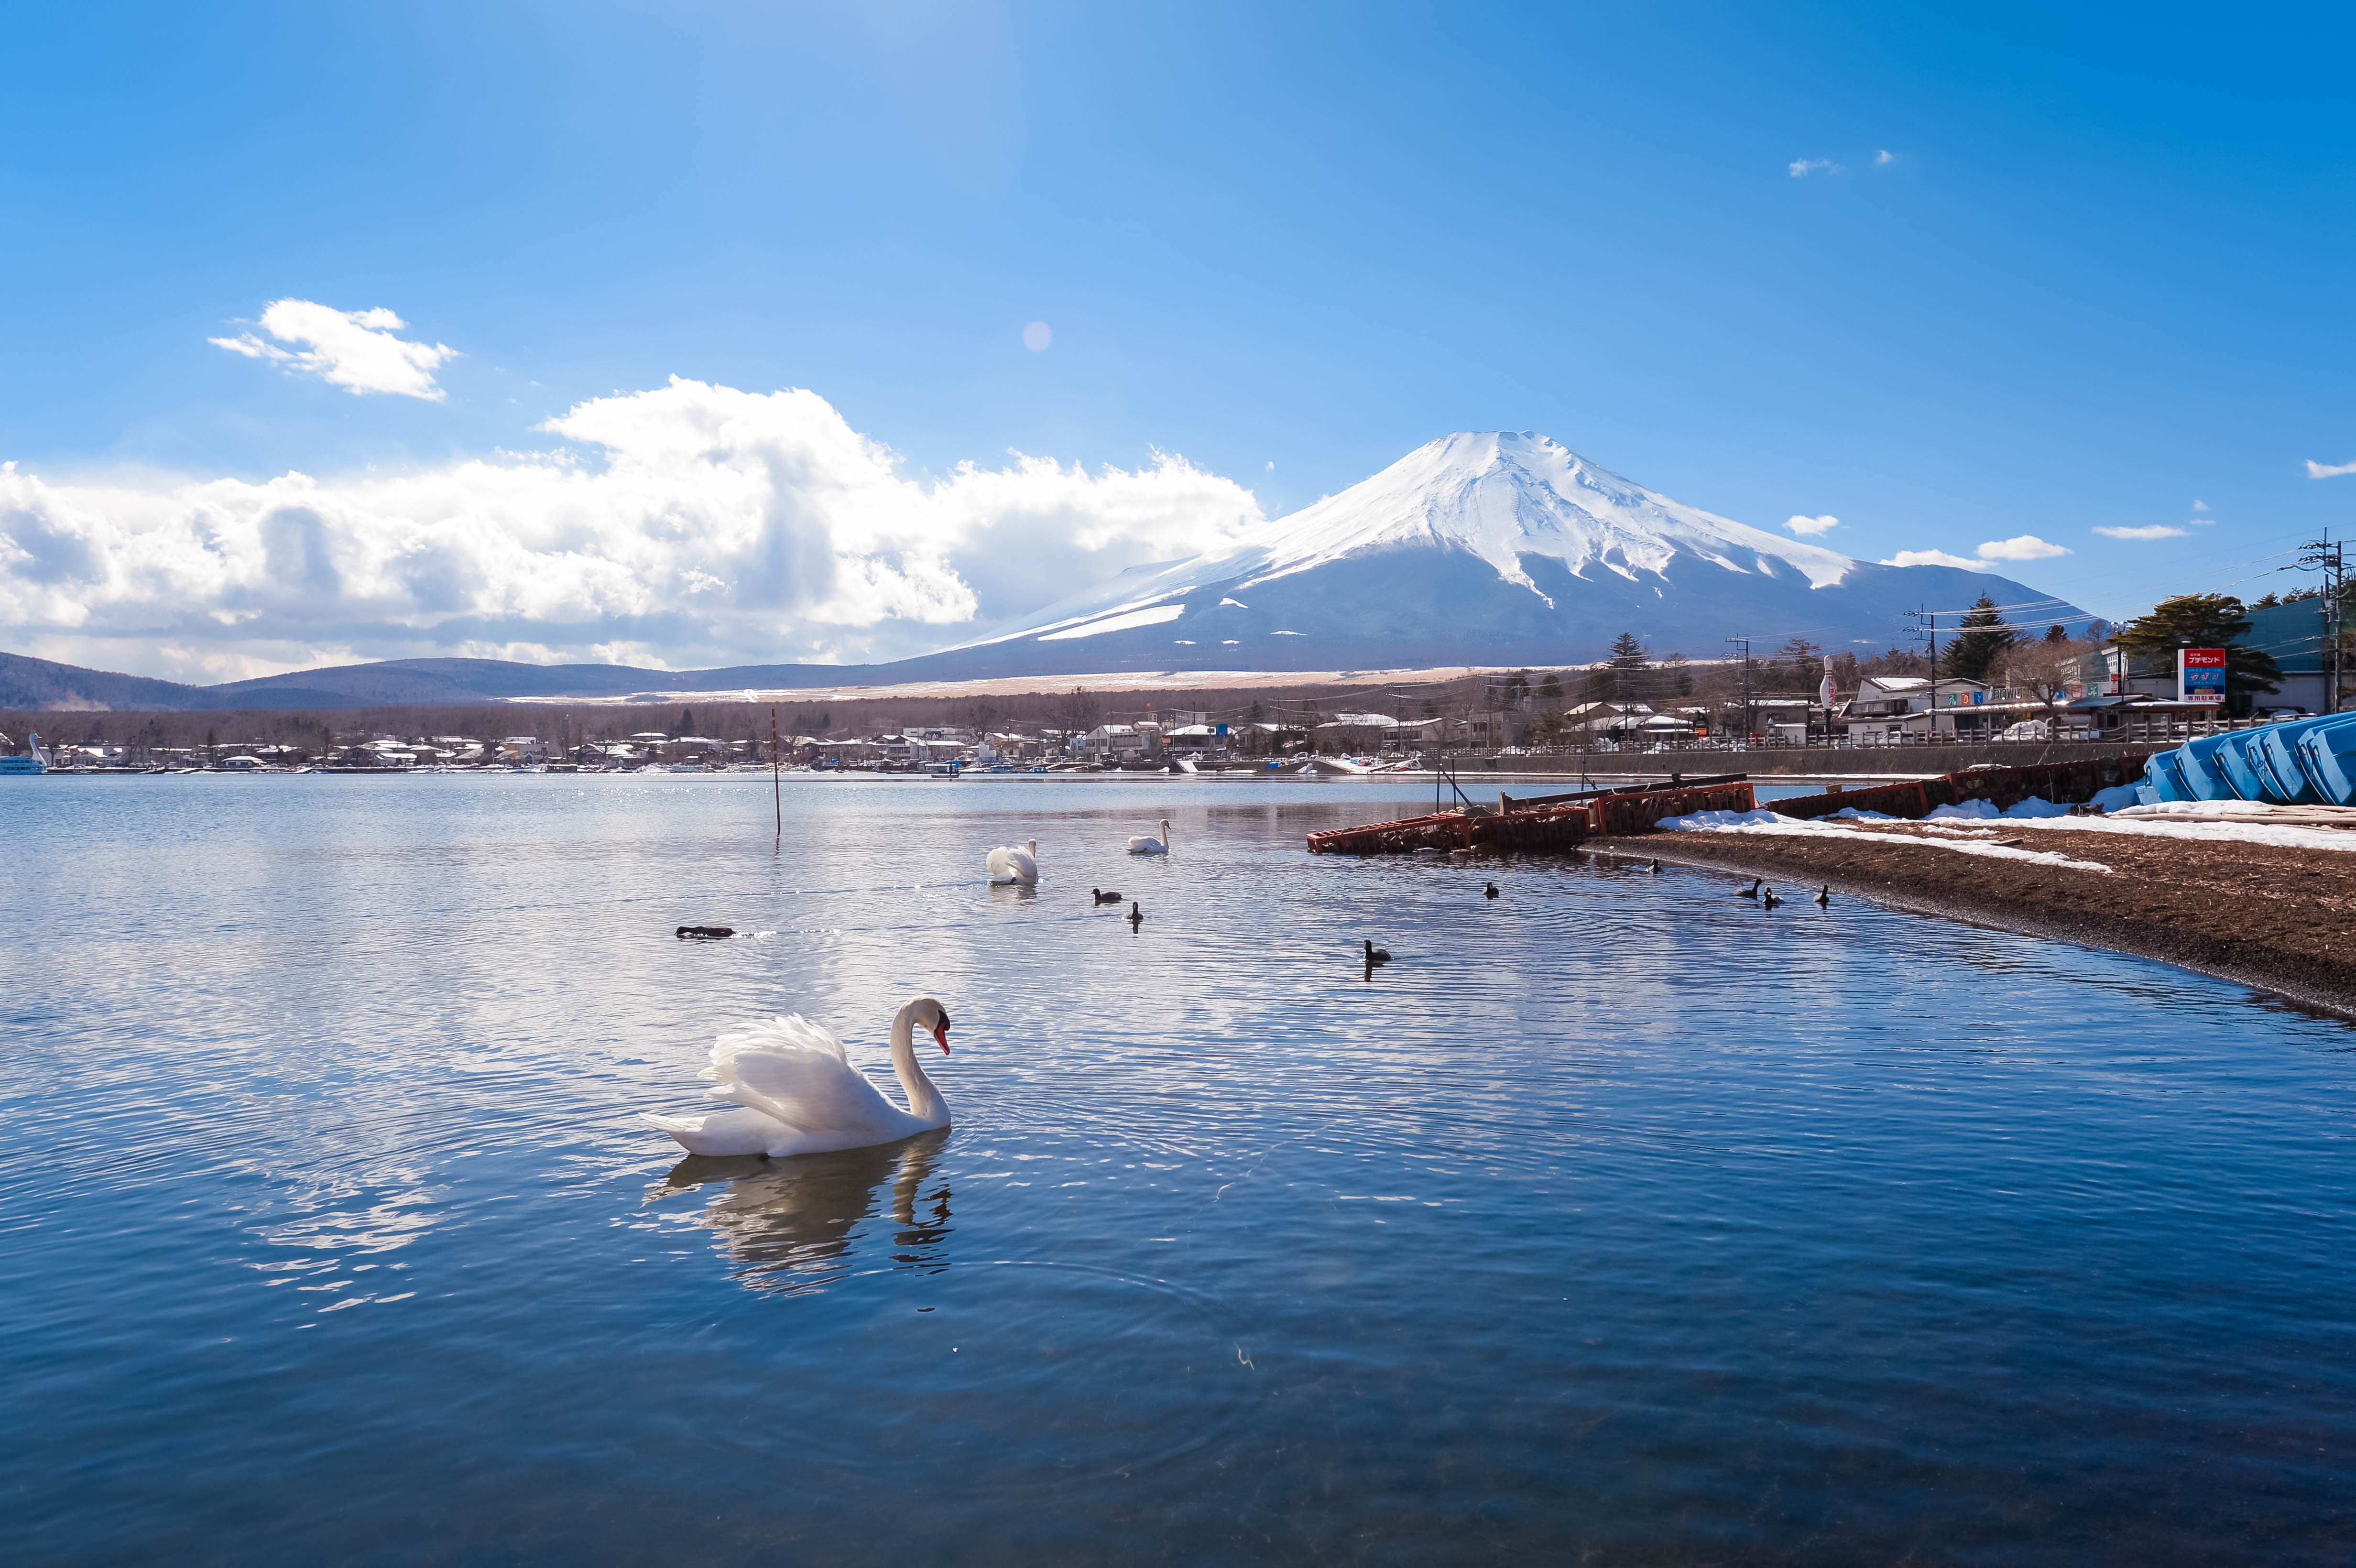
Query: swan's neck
x,y
924,1101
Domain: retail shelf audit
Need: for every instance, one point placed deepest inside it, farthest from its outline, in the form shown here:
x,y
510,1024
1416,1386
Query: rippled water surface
x,y
1615,1216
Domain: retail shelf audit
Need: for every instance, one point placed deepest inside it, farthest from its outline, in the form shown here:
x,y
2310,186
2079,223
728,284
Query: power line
x,y
2330,558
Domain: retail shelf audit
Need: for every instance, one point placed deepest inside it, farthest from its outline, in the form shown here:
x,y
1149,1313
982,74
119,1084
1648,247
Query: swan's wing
x,y
793,1070
998,865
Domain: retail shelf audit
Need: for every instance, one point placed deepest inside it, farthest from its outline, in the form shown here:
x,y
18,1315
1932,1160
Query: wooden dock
x,y
1553,823
1543,824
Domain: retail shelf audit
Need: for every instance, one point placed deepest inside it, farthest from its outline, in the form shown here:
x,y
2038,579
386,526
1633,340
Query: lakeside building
x,y
1889,709
2291,634
1115,740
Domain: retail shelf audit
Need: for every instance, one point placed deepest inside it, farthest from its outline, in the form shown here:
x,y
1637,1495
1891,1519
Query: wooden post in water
x,y
777,774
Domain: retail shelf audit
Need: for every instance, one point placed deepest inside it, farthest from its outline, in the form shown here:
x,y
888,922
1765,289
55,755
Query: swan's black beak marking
x,y
941,1033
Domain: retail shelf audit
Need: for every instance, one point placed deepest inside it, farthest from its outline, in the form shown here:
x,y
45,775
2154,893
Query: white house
x,y
1890,707
1114,739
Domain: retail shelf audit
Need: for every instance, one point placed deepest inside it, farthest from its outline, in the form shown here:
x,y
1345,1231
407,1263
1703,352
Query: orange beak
x,y
941,1035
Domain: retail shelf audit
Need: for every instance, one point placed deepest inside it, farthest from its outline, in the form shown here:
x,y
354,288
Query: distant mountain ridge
x,y
1503,548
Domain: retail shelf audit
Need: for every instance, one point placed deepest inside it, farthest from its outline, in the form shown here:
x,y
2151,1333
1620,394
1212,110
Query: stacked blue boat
x,y
2305,761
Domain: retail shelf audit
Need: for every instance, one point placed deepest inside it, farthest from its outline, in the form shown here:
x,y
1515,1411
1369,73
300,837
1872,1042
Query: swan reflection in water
x,y
794,1224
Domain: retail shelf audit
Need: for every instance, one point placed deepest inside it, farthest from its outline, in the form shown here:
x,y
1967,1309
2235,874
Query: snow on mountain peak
x,y
1504,494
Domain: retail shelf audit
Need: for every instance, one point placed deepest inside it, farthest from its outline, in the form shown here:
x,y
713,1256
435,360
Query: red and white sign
x,y
2201,675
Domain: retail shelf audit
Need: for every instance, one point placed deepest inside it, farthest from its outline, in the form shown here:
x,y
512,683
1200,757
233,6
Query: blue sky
x,y
2103,271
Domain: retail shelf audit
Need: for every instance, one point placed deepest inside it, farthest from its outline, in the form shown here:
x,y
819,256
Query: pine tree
x,y
2202,620
1627,653
1984,636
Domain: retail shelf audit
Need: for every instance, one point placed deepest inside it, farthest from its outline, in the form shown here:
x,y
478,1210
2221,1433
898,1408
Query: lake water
x,y
1616,1216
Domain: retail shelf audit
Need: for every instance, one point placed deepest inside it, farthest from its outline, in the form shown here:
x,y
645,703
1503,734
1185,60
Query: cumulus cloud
x,y
692,525
354,349
2020,547
1810,527
2327,470
2157,531
1802,168
1932,557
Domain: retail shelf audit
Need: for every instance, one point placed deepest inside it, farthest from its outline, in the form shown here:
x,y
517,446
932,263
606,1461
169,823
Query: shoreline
x,y
2174,902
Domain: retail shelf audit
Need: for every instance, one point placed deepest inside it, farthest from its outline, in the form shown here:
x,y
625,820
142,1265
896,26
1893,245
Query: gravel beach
x,y
2282,920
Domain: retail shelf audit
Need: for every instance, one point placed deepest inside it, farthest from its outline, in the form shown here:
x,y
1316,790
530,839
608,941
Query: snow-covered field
x,y
2211,822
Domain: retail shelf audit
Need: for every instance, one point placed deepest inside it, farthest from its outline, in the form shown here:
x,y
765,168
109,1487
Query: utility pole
x,y
2330,558
1929,619
1745,643
777,774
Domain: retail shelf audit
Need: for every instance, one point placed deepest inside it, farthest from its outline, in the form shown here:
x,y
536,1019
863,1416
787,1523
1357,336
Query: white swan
x,y
1146,844
1011,865
796,1092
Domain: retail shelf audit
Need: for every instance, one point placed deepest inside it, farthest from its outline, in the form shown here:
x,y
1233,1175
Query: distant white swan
x,y
1012,865
1146,844
795,1091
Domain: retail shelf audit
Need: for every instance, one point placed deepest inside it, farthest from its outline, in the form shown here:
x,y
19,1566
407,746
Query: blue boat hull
x,y
2304,762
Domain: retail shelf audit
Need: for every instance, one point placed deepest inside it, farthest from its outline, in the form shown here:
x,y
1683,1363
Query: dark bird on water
x,y
1655,868
1105,898
1825,896
1136,915
1767,899
1749,893
1376,954
1490,891
704,933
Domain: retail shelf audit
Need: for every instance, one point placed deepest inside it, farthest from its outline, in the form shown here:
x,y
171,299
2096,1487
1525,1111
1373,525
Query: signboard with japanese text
x,y
2201,675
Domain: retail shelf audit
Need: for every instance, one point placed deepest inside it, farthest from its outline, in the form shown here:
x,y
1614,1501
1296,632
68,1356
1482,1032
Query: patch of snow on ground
x,y
2209,832
1985,810
1768,822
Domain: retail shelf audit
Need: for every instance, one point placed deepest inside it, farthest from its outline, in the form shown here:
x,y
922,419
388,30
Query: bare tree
x,y
2044,669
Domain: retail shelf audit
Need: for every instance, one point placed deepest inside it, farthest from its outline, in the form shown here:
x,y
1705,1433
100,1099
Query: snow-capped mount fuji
x,y
1504,496
1501,548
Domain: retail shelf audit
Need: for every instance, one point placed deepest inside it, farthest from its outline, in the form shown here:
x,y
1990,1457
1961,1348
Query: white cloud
x,y
355,350
692,525
2200,505
1932,557
2020,547
1811,527
2328,471
2157,531
1884,158
1801,167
